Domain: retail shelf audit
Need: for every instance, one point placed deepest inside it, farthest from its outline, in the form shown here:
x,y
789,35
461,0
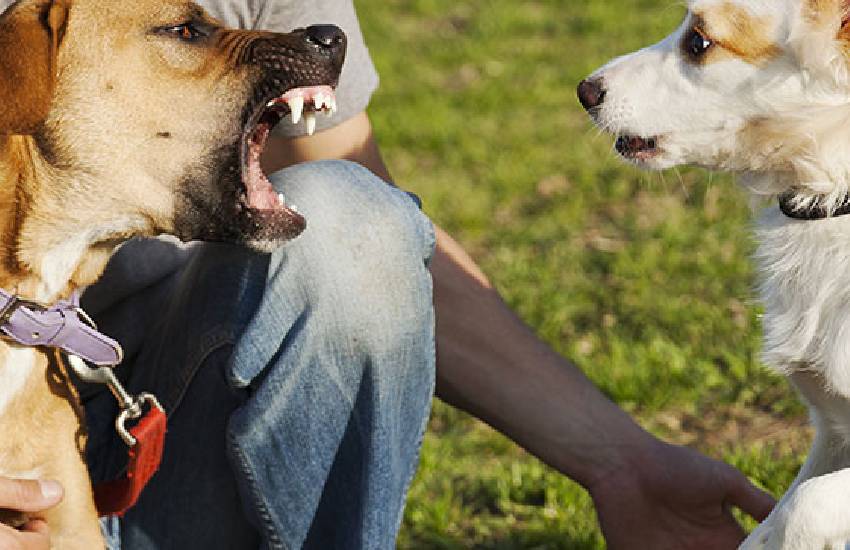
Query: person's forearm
x,y
490,364
352,140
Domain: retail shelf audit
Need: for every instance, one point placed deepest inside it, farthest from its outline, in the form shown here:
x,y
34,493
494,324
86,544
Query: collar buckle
x,y
14,304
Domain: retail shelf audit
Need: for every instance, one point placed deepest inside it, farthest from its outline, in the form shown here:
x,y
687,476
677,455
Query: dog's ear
x,y
30,34
843,9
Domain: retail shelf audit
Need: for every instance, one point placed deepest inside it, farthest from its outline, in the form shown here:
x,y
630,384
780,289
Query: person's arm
x,y
349,140
32,497
491,364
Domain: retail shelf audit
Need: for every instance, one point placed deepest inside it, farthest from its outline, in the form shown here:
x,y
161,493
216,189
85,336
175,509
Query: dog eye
x,y
186,32
696,44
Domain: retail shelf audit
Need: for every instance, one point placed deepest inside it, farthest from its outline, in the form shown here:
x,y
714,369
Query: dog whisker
x,y
682,183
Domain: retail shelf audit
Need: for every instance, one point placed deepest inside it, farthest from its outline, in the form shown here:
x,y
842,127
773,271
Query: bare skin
x,y
490,364
32,497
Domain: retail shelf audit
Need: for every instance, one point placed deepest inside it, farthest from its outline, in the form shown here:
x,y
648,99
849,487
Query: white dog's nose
x,y
591,93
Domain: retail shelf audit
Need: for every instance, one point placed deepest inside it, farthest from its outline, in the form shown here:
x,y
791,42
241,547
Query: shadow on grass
x,y
522,539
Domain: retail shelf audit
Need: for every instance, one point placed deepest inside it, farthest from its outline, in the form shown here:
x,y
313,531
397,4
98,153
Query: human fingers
x,y
37,526
29,495
746,496
36,539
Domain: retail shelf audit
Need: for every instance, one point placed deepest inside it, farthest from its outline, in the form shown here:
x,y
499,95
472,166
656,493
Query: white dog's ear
x,y
820,39
844,22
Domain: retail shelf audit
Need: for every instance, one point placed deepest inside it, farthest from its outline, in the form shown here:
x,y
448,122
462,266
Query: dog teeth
x,y
330,106
318,101
294,208
310,121
280,200
296,107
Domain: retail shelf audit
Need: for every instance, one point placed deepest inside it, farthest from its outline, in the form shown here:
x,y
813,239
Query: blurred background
x,y
642,279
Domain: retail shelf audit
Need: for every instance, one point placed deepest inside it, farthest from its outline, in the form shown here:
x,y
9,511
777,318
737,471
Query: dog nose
x,y
591,93
325,36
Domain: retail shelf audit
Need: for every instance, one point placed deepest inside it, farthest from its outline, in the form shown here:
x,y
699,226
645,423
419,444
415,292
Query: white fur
x,y
60,262
782,124
15,368
804,521
58,265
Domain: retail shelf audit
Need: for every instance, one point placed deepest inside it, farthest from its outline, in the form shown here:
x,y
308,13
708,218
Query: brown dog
x,y
120,119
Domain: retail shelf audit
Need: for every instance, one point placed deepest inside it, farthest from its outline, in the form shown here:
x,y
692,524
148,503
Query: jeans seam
x,y
214,341
256,495
404,494
422,431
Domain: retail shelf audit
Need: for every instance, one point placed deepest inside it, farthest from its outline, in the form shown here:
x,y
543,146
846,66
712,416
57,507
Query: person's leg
x,y
300,382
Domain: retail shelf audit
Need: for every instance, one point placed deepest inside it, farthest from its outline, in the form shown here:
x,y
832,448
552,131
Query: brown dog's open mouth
x,y
263,204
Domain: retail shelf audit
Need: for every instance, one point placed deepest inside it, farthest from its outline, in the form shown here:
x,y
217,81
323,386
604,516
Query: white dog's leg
x,y
815,511
815,516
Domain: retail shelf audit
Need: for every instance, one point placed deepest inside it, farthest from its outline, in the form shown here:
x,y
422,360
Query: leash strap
x,y
145,440
67,327
117,496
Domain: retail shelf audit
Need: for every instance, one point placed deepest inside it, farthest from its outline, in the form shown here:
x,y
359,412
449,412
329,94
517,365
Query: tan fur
x,y
28,76
102,123
46,406
95,179
738,34
824,12
41,428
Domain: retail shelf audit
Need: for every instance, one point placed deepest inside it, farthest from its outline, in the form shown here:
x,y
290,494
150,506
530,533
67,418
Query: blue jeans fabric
x,y
297,384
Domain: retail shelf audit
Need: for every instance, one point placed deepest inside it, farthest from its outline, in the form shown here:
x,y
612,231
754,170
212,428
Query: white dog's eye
x,y
696,44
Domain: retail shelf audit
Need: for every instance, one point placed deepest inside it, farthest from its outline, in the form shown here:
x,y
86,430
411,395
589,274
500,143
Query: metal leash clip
x,y
131,408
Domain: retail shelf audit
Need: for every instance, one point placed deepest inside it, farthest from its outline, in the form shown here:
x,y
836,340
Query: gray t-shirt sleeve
x,y
358,80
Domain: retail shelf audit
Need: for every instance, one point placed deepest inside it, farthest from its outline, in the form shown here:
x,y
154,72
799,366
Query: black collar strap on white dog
x,y
786,205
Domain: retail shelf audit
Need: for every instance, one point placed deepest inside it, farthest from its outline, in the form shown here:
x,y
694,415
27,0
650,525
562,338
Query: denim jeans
x,y
297,384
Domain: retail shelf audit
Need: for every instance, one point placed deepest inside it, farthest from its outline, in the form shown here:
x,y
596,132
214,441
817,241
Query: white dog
x,y
761,88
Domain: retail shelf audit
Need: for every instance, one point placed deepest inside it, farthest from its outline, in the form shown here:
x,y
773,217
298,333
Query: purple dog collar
x,y
67,327
63,326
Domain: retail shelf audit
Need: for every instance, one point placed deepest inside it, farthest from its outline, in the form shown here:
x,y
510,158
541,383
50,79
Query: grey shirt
x,y
359,78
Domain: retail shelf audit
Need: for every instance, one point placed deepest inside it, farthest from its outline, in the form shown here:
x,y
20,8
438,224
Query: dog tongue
x,y
259,190
304,101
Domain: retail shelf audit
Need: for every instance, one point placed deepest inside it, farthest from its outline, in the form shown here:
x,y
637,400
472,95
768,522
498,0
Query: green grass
x,y
643,279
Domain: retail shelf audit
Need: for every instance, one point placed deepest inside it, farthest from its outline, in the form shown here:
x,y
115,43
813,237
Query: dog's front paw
x,y
761,538
804,521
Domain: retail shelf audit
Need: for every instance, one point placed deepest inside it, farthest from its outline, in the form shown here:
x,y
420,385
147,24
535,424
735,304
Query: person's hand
x,y
675,498
31,497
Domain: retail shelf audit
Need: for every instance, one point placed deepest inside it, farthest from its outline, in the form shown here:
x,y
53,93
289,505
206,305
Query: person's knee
x,y
363,257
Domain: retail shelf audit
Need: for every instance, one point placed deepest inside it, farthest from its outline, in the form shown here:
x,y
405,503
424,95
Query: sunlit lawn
x,y
642,279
